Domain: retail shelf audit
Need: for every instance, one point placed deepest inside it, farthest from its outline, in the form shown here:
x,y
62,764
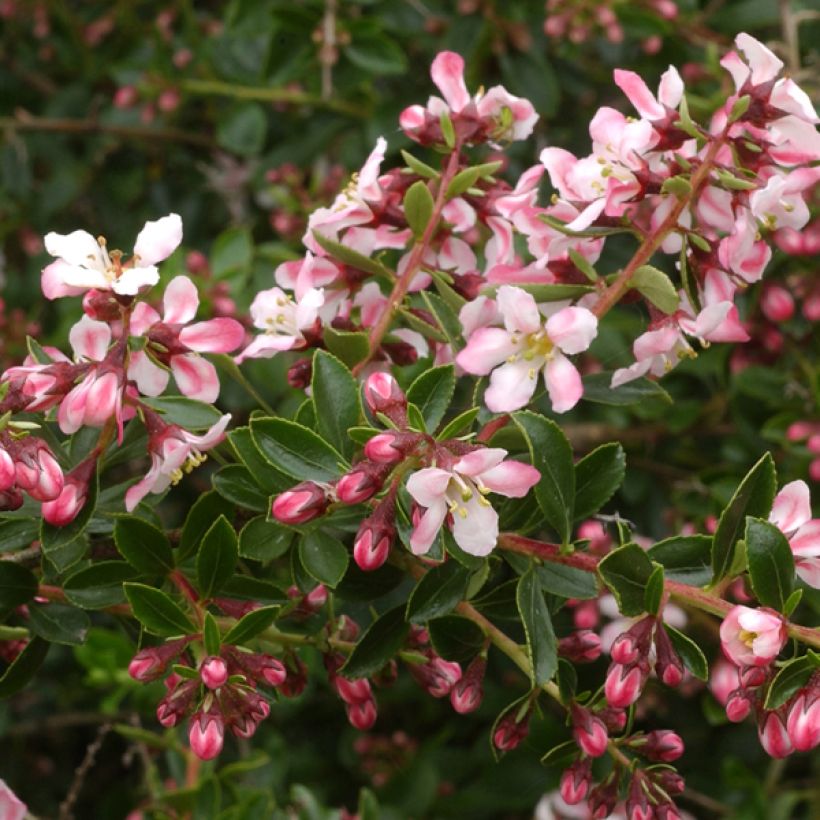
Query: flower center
x,y
748,638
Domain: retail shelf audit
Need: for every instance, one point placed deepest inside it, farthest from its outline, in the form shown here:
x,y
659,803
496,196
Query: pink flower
x,y
175,343
670,92
516,353
282,320
791,513
460,490
656,352
11,806
752,637
173,451
84,262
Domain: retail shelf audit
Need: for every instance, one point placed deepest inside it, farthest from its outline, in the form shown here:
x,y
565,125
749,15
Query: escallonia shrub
x,y
453,495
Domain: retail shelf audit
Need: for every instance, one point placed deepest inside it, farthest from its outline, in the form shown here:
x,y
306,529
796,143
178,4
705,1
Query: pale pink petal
x,y
456,255
628,374
792,506
736,67
158,240
460,214
476,532
765,65
572,329
77,277
308,308
265,346
90,339
427,486
639,95
72,408
559,164
180,301
563,383
511,478
590,213
481,312
656,342
519,310
427,528
487,348
220,335
133,280
213,436
412,117
479,461
104,395
511,387
805,543
78,248
143,317
447,72
138,491
151,379
499,249
368,183
808,570
670,90
196,377
52,281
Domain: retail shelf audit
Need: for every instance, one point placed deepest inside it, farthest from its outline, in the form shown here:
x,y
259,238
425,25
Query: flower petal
x,y
487,348
90,339
792,506
511,387
563,383
158,240
195,377
427,486
447,72
475,526
220,335
53,283
427,528
133,280
78,248
150,378
572,329
180,301
519,310
511,478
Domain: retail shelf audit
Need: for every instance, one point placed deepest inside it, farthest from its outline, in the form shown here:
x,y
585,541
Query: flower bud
x,y
623,684
624,650
668,666
581,646
176,703
803,721
36,470
509,734
152,662
353,691
637,801
723,680
738,705
437,676
206,735
382,394
272,671
361,483
662,746
300,504
467,693
602,800
589,731
614,719
362,715
214,672
300,373
669,780
385,448
575,782
372,546
7,471
776,303
774,738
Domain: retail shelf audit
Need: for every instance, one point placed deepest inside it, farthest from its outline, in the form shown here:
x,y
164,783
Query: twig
x,y
82,770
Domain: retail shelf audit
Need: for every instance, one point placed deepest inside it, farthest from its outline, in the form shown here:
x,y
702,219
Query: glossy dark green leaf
x,y
382,640
336,399
324,557
567,582
188,413
217,556
157,611
295,450
59,623
54,540
236,484
23,668
597,476
770,562
460,424
438,592
267,477
354,259
432,393
790,677
535,617
685,558
144,546
263,540
626,572
456,639
653,595
753,497
18,533
210,635
99,585
551,455
690,653
418,207
250,625
17,585
597,389
347,346
202,514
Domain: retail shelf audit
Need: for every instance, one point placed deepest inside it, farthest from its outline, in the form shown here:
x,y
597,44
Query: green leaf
x,y
382,640
336,399
535,617
350,348
217,556
18,585
23,667
324,557
456,639
236,484
418,207
419,167
583,265
377,54
295,450
567,679
203,512
657,287
463,421
99,585
447,129
560,755
626,572
157,612
17,533
267,477
770,562
423,326
753,497
59,623
792,602
551,455
468,177
678,186
690,653
352,258
144,546
597,476
232,252
55,540
432,393
790,677
438,592
567,582
263,540
242,130
546,293
187,413
210,635
597,389
685,558
653,595
250,625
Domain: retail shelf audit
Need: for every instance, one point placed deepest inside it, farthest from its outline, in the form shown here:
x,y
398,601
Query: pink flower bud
x,y
438,676
723,680
384,448
752,637
146,666
602,799
623,685
382,394
467,694
369,553
125,96
662,745
273,672
509,734
7,471
214,672
585,615
300,504
777,303
614,719
353,691
589,732
624,649
582,646
359,484
803,721
668,665
243,727
316,598
738,705
362,715
575,782
774,738
206,735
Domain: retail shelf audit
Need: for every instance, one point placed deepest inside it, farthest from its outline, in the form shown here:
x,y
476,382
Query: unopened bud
x,y
738,705
575,782
206,735
382,394
361,483
385,448
467,693
589,731
214,672
300,374
300,504
362,715
774,737
583,645
661,745
624,684
509,734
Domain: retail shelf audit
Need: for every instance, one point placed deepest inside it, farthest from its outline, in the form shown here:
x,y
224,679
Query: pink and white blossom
x,y
84,262
752,637
460,490
525,346
791,513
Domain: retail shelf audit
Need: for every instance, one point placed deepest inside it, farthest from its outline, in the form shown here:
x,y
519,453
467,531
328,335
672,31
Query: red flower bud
x,y
382,394
774,737
624,684
661,745
214,672
467,694
206,735
575,782
803,721
580,646
362,715
300,504
589,731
